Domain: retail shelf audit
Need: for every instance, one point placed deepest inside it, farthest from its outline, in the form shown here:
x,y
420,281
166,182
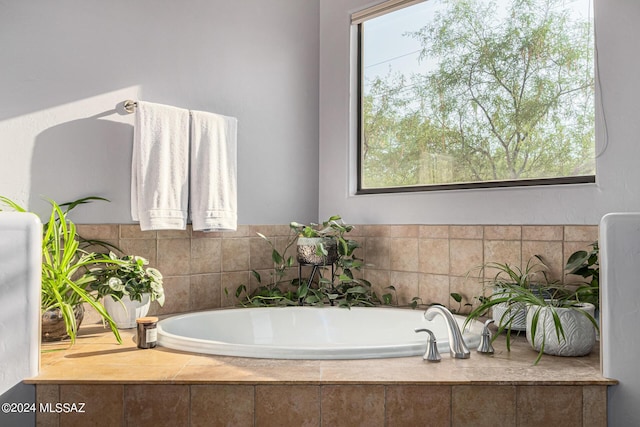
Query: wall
x,y
617,172
284,68
620,247
67,66
326,404
20,254
203,270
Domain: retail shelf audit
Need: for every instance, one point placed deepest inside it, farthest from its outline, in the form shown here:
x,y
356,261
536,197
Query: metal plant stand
x,y
315,269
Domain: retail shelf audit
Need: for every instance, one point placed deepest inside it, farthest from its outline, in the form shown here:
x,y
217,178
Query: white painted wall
x,y
619,272
20,272
618,175
66,65
285,69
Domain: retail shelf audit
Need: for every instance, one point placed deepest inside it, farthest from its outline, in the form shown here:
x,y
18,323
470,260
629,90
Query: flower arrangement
x,y
128,276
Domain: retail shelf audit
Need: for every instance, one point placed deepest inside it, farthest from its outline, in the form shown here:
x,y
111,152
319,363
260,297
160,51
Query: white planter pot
x,y
125,312
517,312
579,332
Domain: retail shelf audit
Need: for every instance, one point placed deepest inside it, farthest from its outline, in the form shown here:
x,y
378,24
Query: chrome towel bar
x,y
130,106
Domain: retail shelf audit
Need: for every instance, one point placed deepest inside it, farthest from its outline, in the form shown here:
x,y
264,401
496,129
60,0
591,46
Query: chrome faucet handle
x,y
432,354
485,346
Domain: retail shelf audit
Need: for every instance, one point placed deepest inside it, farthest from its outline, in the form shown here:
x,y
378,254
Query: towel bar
x,y
130,105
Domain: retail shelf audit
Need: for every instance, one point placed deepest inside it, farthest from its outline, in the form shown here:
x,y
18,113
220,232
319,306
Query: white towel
x,y
213,172
160,167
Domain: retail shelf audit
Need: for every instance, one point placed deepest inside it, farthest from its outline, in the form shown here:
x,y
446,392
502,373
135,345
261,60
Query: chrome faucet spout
x,y
457,346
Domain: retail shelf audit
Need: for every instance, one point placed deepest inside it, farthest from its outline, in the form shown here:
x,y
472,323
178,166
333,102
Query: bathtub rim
x,y
220,348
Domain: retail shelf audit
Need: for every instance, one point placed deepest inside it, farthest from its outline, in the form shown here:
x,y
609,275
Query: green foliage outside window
x,y
506,92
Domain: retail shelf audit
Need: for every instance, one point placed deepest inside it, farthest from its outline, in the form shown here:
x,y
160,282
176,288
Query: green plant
x,y
506,276
514,295
508,281
342,288
458,298
128,276
527,277
416,302
65,265
331,230
586,265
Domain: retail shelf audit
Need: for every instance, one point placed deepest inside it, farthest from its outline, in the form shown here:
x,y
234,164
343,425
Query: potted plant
x,y
512,316
585,264
317,244
65,278
128,286
557,322
340,288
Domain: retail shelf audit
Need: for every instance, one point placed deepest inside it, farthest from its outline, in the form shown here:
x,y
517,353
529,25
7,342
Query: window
x,y
475,93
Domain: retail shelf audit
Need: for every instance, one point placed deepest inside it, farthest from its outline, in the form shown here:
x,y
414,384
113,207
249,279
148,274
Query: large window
x,y
475,93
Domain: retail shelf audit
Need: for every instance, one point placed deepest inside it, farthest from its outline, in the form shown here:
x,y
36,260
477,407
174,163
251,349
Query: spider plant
x,y
511,316
65,268
539,301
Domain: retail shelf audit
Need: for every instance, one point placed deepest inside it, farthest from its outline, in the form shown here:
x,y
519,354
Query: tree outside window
x,y
478,91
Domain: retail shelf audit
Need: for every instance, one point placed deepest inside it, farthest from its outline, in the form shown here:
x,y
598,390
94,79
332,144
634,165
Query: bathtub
x,y
308,332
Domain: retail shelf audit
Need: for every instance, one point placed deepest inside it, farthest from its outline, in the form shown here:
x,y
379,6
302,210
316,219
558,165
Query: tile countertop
x,y
96,357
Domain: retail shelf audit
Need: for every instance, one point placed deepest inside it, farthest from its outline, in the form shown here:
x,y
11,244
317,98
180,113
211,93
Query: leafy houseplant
x,y
513,316
318,244
556,322
128,287
585,264
65,277
128,277
341,288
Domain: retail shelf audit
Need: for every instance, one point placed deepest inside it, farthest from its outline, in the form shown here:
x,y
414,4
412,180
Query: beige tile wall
x,y
326,404
202,270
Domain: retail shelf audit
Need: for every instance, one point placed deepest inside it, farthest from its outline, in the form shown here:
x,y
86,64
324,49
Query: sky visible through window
x,y
389,48
464,91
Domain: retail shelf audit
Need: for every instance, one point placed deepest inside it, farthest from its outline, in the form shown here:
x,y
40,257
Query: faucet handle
x,y
432,354
485,339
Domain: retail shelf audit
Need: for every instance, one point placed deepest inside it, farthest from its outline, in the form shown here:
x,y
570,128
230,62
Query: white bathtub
x,y
309,332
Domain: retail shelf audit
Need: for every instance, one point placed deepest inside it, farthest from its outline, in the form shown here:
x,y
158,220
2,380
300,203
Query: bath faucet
x,y
457,346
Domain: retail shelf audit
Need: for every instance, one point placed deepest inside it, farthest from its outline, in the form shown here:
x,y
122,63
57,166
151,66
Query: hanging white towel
x,y
213,172
160,167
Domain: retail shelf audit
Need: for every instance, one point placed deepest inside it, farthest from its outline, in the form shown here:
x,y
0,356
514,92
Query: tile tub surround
x,y
125,386
427,261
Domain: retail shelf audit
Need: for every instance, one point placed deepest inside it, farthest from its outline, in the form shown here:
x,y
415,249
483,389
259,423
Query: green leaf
x,y
576,260
256,275
276,257
240,289
456,296
387,299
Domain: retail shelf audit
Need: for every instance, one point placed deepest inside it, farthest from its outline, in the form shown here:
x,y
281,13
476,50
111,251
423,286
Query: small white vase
x,y
579,332
125,312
